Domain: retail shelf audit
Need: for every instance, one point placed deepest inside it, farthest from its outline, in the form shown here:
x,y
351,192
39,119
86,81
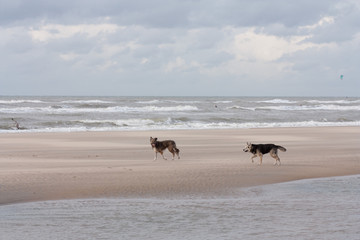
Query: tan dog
x,y
160,146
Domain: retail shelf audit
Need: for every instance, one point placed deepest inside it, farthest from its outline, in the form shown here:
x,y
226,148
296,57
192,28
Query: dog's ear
x,y
155,139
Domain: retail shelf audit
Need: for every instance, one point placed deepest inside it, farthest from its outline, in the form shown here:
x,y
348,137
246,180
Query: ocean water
x,y
326,208
66,114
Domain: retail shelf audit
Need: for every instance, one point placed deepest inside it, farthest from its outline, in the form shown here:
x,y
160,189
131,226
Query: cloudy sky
x,y
180,48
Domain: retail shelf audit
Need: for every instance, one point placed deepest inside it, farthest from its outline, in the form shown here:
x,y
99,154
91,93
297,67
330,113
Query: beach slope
x,y
49,166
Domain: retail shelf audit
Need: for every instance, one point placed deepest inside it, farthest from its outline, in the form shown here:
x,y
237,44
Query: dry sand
x,y
47,166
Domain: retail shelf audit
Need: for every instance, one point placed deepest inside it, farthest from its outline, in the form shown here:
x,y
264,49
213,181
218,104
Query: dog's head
x,y
153,141
247,147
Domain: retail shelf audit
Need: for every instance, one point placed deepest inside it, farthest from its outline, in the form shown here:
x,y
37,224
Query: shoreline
x,y
277,125
71,165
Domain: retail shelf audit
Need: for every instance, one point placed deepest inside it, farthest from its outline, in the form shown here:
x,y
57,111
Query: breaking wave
x,y
151,113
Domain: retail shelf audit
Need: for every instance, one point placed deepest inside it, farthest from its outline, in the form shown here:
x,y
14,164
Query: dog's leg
x,y
277,160
155,156
172,152
252,158
162,154
261,156
275,156
177,153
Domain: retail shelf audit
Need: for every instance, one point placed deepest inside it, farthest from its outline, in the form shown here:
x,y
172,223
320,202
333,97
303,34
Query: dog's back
x,y
265,148
162,145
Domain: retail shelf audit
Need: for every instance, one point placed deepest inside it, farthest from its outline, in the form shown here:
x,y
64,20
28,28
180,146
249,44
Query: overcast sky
x,y
180,48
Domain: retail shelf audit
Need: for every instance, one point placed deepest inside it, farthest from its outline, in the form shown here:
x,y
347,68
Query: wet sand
x,y
49,166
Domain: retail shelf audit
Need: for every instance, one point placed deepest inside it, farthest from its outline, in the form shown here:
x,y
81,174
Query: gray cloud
x,y
203,47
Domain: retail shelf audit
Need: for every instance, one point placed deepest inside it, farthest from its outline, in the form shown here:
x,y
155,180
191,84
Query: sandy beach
x,y
49,166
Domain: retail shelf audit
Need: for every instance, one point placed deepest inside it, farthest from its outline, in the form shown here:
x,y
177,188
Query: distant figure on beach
x,y
16,124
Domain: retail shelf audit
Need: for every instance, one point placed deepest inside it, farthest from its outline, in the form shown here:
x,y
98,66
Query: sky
x,y
180,48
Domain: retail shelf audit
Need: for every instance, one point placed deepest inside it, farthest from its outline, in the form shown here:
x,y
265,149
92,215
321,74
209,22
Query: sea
x,y
326,208
69,114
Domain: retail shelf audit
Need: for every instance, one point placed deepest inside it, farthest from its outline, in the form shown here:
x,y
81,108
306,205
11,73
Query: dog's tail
x,y
281,148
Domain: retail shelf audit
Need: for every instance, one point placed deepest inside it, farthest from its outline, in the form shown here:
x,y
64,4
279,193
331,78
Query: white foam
x,y
155,101
328,107
124,109
19,101
334,101
241,108
223,101
277,100
314,101
95,101
170,124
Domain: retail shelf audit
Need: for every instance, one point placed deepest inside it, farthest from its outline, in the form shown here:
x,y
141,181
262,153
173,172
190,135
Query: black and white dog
x,y
261,149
